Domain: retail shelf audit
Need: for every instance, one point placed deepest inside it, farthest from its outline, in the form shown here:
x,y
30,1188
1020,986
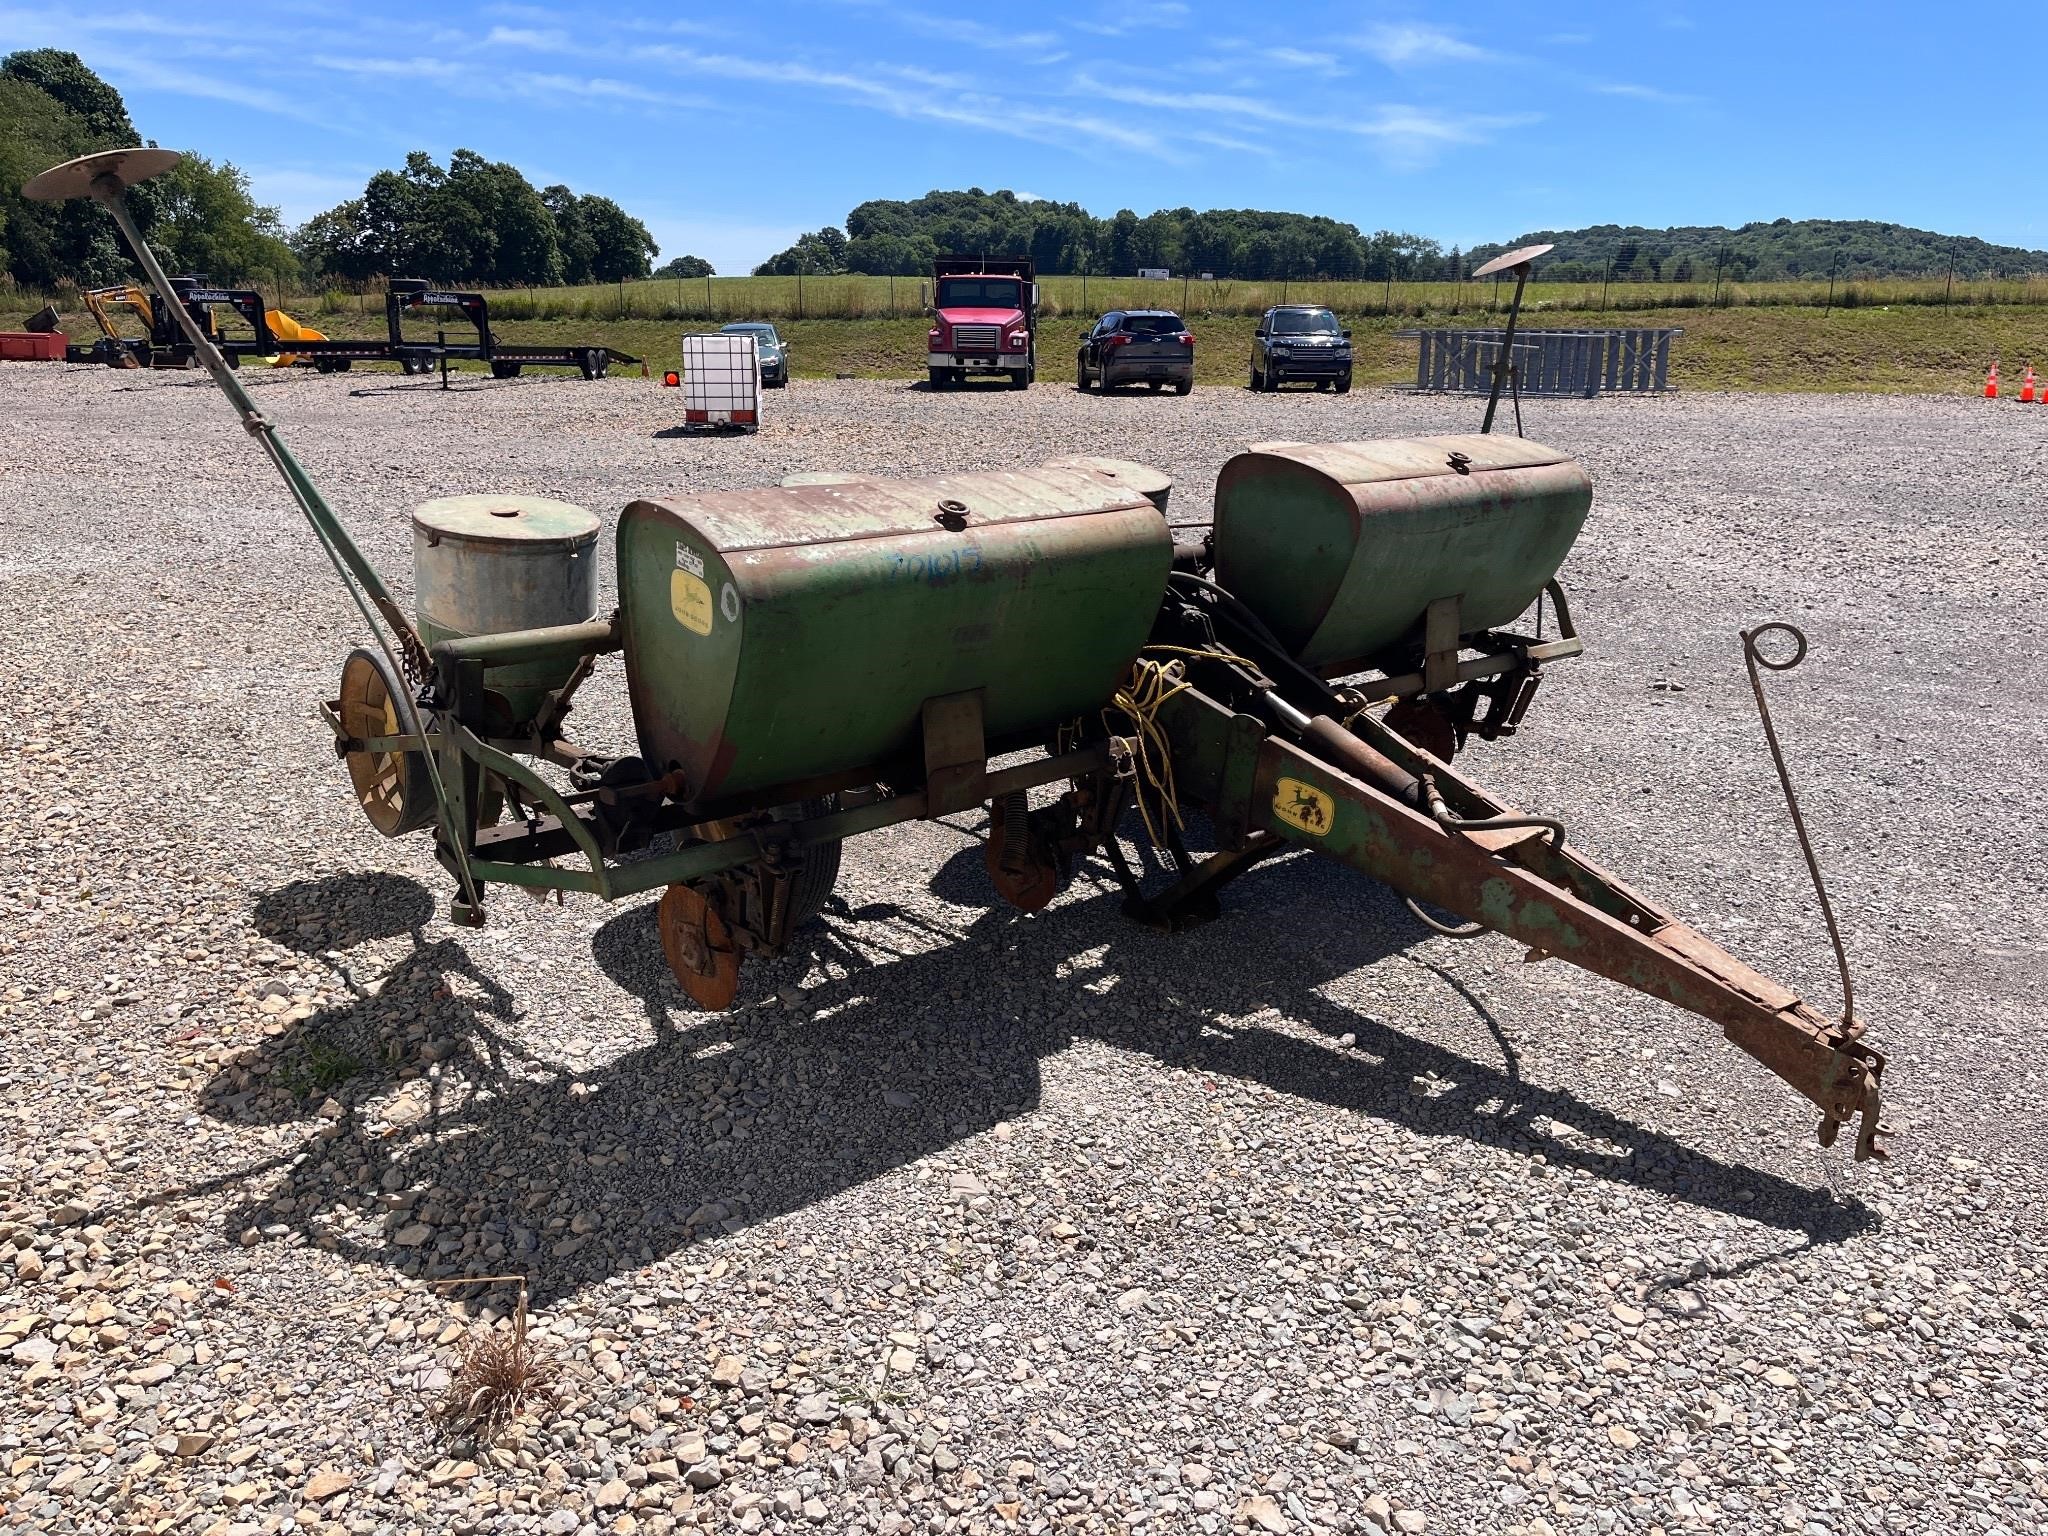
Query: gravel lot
x,y
973,1221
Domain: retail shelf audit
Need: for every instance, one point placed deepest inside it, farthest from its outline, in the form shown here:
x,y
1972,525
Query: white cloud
x,y
1324,64
584,88
969,109
1644,93
1402,43
128,70
1137,16
388,69
541,39
1407,134
974,34
1255,108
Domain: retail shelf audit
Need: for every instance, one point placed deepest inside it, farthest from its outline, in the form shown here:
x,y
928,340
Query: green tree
x,y
822,252
207,222
64,78
331,244
518,242
53,108
577,245
686,266
621,247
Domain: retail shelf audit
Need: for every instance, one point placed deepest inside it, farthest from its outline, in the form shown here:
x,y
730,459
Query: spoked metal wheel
x,y
392,787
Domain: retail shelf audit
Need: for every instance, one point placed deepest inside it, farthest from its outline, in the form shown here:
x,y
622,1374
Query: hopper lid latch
x,y
952,515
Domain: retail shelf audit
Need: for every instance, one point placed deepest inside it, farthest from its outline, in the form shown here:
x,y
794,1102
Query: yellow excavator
x,y
121,351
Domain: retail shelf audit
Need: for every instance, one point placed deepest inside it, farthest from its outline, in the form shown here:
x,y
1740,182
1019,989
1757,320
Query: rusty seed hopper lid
x,y
836,510
1153,484
533,522
1400,458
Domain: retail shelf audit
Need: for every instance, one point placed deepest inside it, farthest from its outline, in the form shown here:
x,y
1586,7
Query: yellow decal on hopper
x,y
691,600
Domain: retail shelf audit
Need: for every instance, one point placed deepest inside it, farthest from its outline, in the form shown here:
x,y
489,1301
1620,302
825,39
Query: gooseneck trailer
x,y
408,296
812,662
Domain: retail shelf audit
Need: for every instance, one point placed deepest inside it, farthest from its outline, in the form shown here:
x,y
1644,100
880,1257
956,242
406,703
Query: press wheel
x,y
699,948
392,787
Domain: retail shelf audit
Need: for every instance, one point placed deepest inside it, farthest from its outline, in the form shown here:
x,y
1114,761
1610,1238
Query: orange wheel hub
x,y
699,948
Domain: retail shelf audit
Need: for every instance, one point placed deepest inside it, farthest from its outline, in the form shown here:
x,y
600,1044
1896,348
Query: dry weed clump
x,y
503,1373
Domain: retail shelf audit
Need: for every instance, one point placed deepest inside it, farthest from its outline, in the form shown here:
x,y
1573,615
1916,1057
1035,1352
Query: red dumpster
x,y
32,346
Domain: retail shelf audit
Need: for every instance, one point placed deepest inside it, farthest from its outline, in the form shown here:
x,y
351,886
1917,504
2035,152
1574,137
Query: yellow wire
x,y
1201,654
1352,719
1150,685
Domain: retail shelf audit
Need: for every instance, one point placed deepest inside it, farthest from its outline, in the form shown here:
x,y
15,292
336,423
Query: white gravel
x,y
971,1221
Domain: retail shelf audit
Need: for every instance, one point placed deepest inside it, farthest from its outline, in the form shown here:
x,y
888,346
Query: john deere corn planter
x,y
818,660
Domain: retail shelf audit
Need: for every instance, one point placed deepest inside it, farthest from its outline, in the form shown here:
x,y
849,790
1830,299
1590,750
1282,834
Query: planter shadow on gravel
x,y
920,1035
431,1004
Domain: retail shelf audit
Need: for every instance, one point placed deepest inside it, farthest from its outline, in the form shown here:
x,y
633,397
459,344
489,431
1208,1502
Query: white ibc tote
x,y
721,380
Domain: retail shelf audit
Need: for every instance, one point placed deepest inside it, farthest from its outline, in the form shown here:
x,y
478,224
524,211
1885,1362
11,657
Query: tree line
x,y
471,222
1767,252
895,238
901,238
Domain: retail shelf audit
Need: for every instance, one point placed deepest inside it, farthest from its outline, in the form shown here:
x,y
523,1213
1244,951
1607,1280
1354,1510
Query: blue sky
x,y
731,127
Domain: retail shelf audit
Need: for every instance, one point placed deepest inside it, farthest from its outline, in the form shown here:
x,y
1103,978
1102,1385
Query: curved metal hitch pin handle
x,y
1758,661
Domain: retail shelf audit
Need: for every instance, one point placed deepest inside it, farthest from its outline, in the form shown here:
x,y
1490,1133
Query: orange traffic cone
x,y
2027,387
1991,383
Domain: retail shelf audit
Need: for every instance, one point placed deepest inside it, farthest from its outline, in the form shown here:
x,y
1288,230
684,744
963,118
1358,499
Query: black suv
x,y
1299,342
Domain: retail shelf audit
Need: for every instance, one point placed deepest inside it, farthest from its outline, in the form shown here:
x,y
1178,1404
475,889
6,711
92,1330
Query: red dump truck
x,y
984,320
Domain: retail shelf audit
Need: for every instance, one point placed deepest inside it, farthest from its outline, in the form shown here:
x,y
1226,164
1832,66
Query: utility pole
x,y
1949,286
1604,281
1833,267
1719,256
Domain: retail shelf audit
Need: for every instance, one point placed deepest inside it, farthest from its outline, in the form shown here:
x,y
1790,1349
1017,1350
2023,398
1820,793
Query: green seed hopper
x,y
810,662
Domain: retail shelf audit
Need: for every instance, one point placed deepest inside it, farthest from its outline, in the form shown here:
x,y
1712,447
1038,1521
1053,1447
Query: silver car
x,y
769,347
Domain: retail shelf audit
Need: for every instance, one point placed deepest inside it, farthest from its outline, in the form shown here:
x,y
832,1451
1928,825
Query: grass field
x,y
1914,348
865,298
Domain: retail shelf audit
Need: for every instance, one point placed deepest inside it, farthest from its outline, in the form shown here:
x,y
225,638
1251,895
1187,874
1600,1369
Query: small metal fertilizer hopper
x,y
818,660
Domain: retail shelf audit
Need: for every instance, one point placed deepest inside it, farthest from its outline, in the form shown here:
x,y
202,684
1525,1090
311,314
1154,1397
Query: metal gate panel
x,y
1554,363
